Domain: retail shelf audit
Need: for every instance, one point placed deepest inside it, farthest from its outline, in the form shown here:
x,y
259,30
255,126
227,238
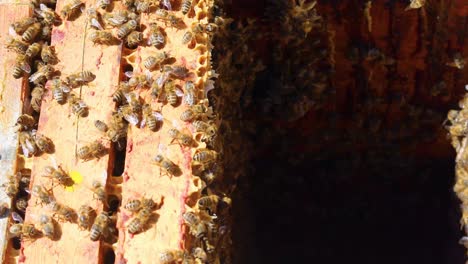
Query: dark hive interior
x,y
351,162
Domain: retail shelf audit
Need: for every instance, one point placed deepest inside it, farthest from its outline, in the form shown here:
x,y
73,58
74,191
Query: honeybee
x,y
85,215
100,226
62,212
25,231
171,256
93,18
153,119
119,95
31,32
128,114
156,90
102,37
78,106
58,90
183,139
126,28
101,126
36,97
70,9
458,61
167,165
209,130
190,96
103,4
138,80
179,72
117,129
43,195
143,203
28,145
44,72
48,54
133,205
137,224
172,93
156,36
415,4
12,185
93,150
197,227
47,226
47,14
43,143
186,6
20,26
33,50
25,122
21,204
187,38
133,100
80,78
173,20
99,192
205,155
211,203
134,38
58,175
152,61
21,66
17,45
198,111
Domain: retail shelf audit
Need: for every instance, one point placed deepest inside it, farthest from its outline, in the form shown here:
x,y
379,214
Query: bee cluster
x,y
31,142
456,125
168,82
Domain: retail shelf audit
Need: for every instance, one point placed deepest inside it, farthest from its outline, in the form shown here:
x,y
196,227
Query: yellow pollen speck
x,y
77,179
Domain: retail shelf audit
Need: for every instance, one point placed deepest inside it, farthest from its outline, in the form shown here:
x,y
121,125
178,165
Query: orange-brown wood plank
x,y
76,53
141,177
11,104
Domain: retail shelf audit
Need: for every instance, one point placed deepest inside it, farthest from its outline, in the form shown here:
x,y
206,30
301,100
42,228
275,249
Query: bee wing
x,y
26,67
158,116
118,20
16,217
209,86
35,76
43,7
129,74
65,89
179,91
12,32
167,4
82,104
95,23
161,80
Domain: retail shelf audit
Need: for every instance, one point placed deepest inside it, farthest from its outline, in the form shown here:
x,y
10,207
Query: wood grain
x,y
11,105
68,133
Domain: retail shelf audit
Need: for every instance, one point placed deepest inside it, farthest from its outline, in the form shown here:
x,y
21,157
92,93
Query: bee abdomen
x,y
186,5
